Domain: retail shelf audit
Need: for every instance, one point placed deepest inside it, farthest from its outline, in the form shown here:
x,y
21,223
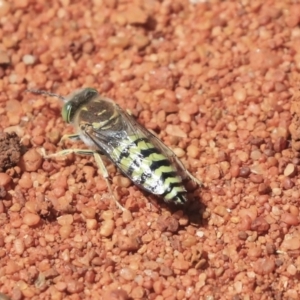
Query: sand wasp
x,y
111,131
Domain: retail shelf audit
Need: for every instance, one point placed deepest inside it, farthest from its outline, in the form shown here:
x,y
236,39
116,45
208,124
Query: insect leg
x,y
103,170
129,111
67,152
99,163
184,172
73,137
193,178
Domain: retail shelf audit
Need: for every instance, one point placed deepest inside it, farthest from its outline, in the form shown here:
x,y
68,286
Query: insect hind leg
x,y
105,175
194,179
99,163
185,174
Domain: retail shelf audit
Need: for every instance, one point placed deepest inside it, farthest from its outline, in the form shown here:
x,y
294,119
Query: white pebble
x,y
13,78
200,234
28,59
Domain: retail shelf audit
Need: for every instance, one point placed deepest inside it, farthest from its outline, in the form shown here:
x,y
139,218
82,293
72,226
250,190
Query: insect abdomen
x,y
147,167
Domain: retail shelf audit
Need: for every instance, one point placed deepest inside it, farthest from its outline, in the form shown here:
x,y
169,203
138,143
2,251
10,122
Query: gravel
x,y
218,82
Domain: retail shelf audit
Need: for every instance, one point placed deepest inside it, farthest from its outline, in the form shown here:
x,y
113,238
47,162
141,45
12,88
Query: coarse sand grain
x,y
218,82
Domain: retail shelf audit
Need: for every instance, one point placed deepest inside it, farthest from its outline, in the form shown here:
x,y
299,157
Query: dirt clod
x,y
10,150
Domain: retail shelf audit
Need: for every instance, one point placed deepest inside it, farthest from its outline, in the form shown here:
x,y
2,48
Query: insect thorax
x,y
100,114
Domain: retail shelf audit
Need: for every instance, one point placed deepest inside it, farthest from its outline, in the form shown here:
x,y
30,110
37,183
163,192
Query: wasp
x,y
109,130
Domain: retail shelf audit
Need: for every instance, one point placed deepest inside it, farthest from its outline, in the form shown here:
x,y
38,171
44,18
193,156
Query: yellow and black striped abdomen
x,y
147,167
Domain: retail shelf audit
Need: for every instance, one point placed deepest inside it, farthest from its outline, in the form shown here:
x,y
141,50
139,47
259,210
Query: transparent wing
x,y
106,141
183,172
135,126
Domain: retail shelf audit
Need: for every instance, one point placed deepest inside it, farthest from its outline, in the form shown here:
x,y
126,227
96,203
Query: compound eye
x,y
66,112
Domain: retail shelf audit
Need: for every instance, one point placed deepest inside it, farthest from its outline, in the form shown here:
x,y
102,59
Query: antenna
x,y
41,92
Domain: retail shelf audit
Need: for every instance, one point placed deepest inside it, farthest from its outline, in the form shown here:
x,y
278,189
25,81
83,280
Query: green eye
x,y
66,112
75,102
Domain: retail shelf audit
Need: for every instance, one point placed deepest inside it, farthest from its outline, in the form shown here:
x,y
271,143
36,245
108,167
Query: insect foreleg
x,y
104,173
76,137
73,137
67,152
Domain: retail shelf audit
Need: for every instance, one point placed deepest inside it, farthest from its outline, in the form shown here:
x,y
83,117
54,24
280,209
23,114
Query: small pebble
x,y
11,267
31,219
65,231
292,270
107,228
127,216
122,181
161,79
240,95
294,210
25,181
89,212
292,243
235,171
264,266
289,219
127,273
263,189
61,286
21,4
289,170
4,179
165,271
256,178
135,15
140,41
31,161
91,224
74,287
242,235
19,246
119,42
287,183
28,59
213,172
4,57
280,144
181,265
65,220
116,294
138,292
260,225
221,211
244,171
168,106
127,243
107,215
184,117
271,249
